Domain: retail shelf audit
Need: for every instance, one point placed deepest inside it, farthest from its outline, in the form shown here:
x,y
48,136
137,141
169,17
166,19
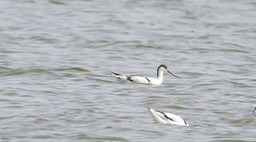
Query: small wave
x,y
148,46
178,107
242,121
57,2
4,70
13,72
100,138
72,69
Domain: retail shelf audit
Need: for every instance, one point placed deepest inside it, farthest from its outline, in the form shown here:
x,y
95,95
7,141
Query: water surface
x,y
56,58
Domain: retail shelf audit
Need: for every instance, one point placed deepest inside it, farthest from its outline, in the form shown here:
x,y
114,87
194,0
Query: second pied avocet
x,y
146,80
168,118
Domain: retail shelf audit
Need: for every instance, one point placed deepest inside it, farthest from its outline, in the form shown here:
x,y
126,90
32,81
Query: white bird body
x,y
167,118
146,80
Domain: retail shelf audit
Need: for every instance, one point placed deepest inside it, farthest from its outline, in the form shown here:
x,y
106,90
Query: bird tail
x,y
119,76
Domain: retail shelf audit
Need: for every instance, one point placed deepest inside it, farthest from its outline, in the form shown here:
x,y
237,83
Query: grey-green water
x,y
56,57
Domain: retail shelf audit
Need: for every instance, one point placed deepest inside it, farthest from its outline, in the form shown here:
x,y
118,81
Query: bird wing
x,y
120,76
164,117
157,116
176,119
139,79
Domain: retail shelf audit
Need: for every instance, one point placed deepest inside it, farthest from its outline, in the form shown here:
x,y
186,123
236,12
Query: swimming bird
x,y
146,80
168,118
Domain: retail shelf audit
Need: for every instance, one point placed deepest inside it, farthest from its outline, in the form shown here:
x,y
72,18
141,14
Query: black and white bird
x,y
146,80
168,118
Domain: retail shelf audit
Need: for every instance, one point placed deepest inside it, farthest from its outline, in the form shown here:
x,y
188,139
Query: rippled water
x,y
56,57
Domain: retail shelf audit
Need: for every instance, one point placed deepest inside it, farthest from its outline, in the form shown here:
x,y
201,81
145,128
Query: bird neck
x,y
160,74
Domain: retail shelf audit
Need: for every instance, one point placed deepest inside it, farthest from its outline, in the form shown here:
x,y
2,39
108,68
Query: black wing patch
x,y
147,80
115,73
129,78
165,115
185,122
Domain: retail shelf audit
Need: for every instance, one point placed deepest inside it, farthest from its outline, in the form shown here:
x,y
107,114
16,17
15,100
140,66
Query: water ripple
x,y
56,58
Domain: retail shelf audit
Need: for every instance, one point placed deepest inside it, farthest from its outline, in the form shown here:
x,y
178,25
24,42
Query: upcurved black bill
x,y
173,74
254,109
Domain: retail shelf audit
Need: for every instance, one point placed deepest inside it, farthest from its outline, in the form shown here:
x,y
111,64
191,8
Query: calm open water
x,y
56,57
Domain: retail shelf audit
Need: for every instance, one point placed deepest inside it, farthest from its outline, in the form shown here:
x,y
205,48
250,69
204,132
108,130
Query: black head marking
x,y
163,65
